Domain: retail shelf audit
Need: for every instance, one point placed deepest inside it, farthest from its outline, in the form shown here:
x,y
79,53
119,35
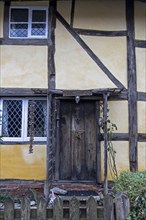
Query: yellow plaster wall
x,y
112,51
140,20
74,68
23,66
141,156
118,114
1,18
141,69
141,117
64,8
100,15
17,163
122,157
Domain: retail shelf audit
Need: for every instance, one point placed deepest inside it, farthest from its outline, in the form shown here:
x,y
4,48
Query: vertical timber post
x,y
98,147
7,5
105,95
132,85
51,85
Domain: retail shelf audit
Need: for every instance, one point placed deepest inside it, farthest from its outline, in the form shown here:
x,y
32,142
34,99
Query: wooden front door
x,y
77,147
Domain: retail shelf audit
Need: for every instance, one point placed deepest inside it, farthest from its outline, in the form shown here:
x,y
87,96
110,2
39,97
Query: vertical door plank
x,y
90,139
65,136
77,142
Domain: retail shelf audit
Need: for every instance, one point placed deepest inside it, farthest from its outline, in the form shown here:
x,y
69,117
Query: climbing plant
x,y
111,127
0,124
31,124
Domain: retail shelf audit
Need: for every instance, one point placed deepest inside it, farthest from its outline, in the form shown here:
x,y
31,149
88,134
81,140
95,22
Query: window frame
x,y
30,22
24,125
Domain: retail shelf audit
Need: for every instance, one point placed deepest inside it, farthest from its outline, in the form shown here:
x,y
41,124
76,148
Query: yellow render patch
x,y
141,117
31,3
1,18
64,8
17,163
141,69
141,156
74,68
118,114
23,66
113,54
122,157
140,20
100,15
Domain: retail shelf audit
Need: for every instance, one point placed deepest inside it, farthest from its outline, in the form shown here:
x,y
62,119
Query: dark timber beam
x,y
37,42
132,85
72,13
51,85
6,20
89,51
105,107
90,32
140,43
51,44
141,96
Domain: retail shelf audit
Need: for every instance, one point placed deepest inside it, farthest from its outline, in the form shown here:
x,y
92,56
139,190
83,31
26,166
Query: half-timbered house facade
x,y
59,60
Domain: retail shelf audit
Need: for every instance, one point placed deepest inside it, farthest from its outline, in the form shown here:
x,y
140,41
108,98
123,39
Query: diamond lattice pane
x,y
12,118
38,30
37,118
19,30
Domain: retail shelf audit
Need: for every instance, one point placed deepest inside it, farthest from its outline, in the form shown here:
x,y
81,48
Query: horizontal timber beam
x,y
22,92
140,43
123,137
115,137
89,51
37,42
90,32
141,96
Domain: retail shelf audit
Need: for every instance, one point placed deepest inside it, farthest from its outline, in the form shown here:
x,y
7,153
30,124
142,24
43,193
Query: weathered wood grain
x,y
91,209
74,209
9,209
41,209
91,32
51,44
122,205
105,106
25,208
58,209
98,146
108,208
132,85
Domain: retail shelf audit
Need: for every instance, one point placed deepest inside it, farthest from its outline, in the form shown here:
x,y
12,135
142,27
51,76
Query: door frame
x,y
57,138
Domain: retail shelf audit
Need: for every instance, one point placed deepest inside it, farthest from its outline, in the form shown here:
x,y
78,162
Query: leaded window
x,y
18,116
28,22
